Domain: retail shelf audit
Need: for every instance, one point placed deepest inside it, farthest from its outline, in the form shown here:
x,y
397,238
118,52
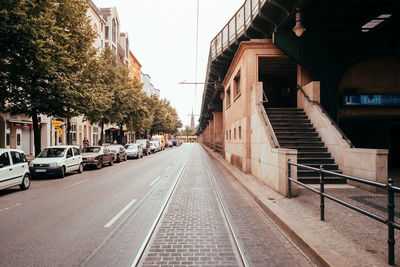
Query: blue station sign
x,y
371,100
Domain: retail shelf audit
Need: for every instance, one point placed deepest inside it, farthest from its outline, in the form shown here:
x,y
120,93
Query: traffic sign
x,y
57,123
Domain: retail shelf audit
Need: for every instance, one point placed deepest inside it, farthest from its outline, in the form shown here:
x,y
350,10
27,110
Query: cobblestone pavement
x,y
193,230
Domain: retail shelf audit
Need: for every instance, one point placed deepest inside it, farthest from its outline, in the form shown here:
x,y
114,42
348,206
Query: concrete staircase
x,y
294,130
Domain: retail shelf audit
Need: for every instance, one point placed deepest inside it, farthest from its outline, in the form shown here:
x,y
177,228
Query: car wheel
x,y
80,170
26,182
62,172
111,162
100,164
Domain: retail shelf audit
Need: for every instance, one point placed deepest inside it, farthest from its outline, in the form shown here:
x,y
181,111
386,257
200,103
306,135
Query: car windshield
x,y
53,152
142,142
134,146
114,148
157,138
91,150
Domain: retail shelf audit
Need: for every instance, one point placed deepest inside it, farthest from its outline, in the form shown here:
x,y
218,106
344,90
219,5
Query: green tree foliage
x,y
44,47
187,131
166,118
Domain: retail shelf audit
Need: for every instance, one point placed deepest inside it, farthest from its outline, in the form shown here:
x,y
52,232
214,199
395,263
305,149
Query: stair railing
x,y
389,187
327,115
267,121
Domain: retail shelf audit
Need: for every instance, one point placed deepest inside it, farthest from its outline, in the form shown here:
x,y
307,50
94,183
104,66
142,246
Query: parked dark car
x,y
120,152
97,156
145,144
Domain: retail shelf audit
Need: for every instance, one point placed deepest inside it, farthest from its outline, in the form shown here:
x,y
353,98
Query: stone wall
x,y
268,163
368,164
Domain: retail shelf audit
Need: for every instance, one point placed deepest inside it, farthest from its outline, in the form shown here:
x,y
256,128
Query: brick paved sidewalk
x,y
345,238
194,232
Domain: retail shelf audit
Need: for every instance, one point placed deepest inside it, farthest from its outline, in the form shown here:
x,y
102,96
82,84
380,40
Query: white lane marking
x,y
167,168
116,217
77,183
13,206
155,180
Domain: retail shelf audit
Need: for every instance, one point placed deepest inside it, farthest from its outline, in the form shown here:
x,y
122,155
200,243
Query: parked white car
x,y
14,169
134,151
155,146
57,160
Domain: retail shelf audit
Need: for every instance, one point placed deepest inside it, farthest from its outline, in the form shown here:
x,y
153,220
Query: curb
x,y
316,250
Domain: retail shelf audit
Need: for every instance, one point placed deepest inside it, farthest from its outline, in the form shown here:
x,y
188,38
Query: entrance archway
x,y
372,124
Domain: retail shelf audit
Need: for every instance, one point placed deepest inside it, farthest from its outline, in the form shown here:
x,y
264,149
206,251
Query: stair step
x,y
328,180
287,117
289,121
307,148
311,173
299,138
294,134
297,144
313,154
284,109
291,125
307,161
293,130
328,167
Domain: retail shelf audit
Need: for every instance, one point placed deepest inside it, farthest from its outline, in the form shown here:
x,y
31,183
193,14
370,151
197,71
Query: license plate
x,y
40,170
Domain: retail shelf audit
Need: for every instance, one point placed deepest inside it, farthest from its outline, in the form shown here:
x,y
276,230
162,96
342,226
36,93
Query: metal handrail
x,y
327,115
234,23
389,221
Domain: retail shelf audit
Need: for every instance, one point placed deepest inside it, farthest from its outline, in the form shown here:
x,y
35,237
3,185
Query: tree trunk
x,y
101,134
69,135
121,134
36,133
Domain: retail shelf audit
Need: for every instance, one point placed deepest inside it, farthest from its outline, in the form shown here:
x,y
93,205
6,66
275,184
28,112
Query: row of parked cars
x,y
59,160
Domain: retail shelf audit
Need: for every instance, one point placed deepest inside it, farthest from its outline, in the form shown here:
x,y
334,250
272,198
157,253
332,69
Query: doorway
x,y
279,78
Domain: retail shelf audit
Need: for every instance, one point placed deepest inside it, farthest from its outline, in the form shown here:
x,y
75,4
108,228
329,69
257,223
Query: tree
x,y
103,78
44,47
166,119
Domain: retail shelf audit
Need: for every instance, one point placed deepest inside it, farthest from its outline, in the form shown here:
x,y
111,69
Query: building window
x,y
102,44
230,134
18,139
102,27
106,33
114,31
226,133
107,44
8,139
73,132
234,133
236,84
240,132
228,97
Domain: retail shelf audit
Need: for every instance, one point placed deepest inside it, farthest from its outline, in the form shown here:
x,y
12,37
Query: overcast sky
x,y
162,35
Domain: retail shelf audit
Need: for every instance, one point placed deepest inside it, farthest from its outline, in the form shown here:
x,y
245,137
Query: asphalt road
x,y
73,221
106,217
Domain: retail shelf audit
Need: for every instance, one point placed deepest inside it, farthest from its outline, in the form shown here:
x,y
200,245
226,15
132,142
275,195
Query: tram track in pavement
x,y
145,244
139,260
235,241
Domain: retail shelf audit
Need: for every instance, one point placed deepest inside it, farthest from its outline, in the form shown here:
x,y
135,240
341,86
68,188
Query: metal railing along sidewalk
x,y
389,221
